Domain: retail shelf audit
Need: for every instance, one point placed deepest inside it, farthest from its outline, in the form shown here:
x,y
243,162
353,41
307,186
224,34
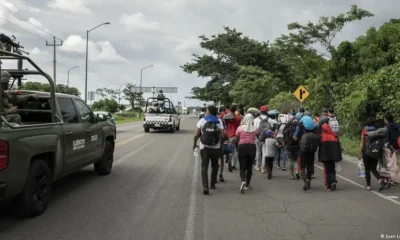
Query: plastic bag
x,y
360,169
338,167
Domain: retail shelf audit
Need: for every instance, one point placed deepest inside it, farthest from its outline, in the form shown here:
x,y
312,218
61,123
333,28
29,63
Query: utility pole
x,y
54,45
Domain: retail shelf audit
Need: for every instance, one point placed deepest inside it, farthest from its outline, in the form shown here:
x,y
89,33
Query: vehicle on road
x,y
58,134
161,114
185,111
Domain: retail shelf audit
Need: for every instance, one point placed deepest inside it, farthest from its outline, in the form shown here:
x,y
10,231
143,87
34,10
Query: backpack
x,y
333,123
374,147
288,133
309,142
264,127
210,134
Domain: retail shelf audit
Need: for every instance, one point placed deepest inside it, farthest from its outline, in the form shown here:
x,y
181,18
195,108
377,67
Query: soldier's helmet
x,y
5,77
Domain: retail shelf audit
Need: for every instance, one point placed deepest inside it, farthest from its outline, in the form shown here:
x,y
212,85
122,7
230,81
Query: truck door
x,y
74,136
93,132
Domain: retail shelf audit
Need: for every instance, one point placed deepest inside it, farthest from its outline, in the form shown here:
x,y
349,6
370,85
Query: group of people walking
x,y
258,137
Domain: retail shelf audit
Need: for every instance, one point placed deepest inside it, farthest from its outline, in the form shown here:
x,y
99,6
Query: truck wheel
x,y
35,195
146,129
104,165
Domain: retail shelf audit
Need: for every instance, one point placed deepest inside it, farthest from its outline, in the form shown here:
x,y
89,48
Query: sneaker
x,y
312,176
328,189
291,177
382,185
263,170
247,188
368,188
306,185
221,178
206,191
283,168
270,175
333,188
257,168
242,187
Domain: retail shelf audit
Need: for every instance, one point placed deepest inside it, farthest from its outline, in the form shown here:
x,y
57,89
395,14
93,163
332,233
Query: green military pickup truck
x,y
58,134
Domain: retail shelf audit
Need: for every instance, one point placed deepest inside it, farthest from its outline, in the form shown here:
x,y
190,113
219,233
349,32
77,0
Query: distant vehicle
x,y
161,114
185,111
58,134
194,111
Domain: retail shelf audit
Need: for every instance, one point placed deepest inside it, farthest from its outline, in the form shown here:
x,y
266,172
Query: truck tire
x,y
35,195
104,165
147,129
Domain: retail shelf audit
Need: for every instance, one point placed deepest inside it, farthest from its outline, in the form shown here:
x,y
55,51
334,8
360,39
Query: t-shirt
x,y
232,126
200,125
270,147
246,138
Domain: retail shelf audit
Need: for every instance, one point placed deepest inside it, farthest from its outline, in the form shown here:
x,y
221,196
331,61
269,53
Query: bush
x,y
284,102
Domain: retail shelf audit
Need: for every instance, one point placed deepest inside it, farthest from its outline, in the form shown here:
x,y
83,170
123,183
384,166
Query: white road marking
x,y
361,186
392,197
189,232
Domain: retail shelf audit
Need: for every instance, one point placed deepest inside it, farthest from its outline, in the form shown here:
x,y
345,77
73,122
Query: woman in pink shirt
x,y
246,140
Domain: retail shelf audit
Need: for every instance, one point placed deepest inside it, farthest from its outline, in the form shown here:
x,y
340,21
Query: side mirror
x,y
101,117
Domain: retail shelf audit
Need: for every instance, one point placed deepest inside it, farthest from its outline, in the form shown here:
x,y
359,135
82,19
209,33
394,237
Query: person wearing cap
x,y
259,144
10,112
300,114
307,135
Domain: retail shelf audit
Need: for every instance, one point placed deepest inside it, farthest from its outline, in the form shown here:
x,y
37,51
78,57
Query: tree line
x,y
110,98
359,78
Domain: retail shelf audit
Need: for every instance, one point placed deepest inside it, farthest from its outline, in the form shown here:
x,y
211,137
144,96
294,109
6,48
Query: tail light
x,y
170,118
3,154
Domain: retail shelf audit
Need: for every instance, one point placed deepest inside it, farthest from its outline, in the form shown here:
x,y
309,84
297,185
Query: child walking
x,y
269,152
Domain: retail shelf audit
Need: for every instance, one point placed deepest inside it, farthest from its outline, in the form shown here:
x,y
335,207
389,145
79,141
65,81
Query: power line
x,y
23,28
9,11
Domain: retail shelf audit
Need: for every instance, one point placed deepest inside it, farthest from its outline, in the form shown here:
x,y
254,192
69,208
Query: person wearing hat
x,y
259,143
9,110
308,138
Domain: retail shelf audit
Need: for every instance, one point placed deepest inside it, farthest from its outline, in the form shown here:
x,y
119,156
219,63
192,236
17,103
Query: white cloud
x,y
35,51
74,6
139,21
191,44
102,51
136,46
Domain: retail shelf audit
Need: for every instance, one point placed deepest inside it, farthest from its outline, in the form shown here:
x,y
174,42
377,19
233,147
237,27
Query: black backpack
x,y
288,133
374,147
210,134
309,142
263,128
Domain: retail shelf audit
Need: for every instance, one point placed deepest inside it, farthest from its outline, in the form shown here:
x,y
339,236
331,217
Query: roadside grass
x,y
350,145
125,119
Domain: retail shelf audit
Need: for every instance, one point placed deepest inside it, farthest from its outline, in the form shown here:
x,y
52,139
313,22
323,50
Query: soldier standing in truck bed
x,y
9,110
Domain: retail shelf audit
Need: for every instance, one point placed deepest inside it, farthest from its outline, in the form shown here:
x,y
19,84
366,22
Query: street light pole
x,y
68,75
87,53
140,99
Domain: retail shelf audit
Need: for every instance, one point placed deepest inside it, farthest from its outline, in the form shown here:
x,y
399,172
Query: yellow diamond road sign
x,y
301,93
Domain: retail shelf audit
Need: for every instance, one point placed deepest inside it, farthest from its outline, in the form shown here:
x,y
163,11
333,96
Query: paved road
x,y
154,192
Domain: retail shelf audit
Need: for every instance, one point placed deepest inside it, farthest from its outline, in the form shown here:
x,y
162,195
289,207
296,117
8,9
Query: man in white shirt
x,y
209,152
259,144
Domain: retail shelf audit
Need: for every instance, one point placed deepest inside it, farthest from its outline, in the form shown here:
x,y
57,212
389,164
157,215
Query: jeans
x,y
329,174
306,163
246,153
259,153
207,155
292,157
281,156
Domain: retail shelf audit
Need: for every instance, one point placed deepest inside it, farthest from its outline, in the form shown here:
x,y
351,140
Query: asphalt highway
x,y
154,192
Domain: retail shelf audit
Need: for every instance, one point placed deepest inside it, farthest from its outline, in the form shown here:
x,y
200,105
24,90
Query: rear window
x,y
35,117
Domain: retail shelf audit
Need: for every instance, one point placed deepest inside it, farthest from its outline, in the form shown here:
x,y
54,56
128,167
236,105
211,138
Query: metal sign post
x,y
91,96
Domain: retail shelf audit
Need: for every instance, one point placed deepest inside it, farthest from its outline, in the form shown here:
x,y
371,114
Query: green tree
x,y
107,93
132,97
108,105
122,107
229,51
45,87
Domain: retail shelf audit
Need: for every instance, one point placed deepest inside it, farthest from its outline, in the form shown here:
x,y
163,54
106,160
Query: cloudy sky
x,y
163,33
